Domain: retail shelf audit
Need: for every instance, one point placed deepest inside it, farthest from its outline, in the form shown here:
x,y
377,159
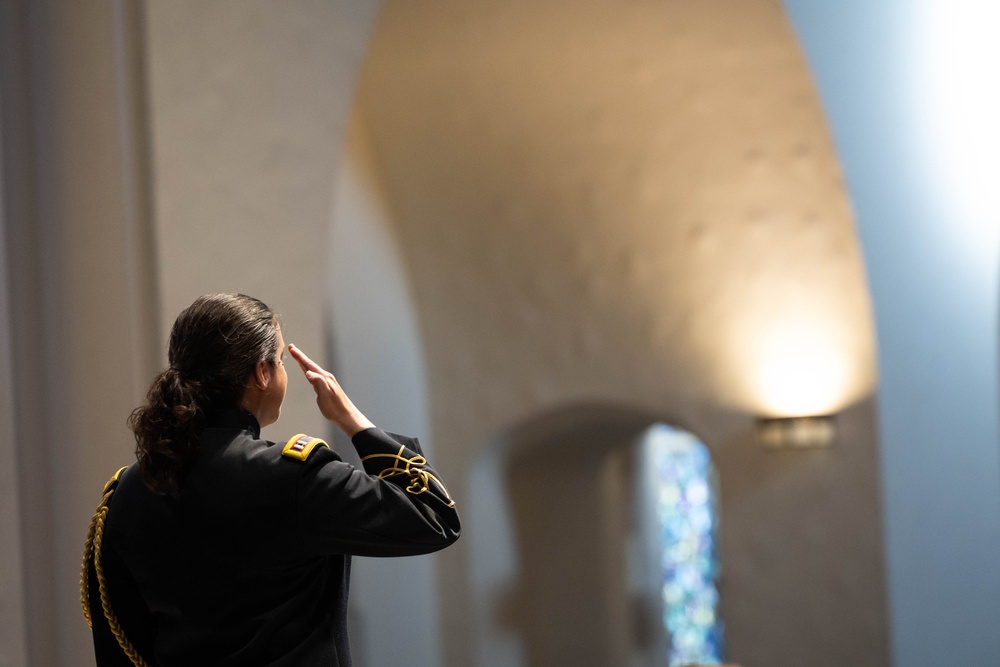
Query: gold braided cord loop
x,y
420,479
88,549
92,550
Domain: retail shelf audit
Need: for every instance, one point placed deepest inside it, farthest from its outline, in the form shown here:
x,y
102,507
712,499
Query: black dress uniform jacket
x,y
249,563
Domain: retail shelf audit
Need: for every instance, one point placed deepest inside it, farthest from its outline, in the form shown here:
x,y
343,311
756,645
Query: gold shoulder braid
x,y
92,550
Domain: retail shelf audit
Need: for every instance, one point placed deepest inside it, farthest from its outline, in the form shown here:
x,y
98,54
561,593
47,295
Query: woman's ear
x,y
262,375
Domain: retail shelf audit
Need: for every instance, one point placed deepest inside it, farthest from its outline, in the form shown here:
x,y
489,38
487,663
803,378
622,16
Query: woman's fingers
x,y
298,356
316,374
319,381
305,363
330,397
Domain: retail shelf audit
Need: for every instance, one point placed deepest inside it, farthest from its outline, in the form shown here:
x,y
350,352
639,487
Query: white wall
x,y
378,359
931,249
248,103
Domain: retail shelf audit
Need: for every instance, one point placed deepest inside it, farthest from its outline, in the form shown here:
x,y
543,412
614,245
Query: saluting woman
x,y
219,548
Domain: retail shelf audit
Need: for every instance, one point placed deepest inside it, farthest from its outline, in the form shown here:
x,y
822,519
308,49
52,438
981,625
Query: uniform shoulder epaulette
x,y
300,446
113,482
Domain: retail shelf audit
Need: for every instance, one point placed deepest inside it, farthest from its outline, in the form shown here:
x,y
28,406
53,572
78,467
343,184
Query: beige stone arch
x,y
639,203
554,539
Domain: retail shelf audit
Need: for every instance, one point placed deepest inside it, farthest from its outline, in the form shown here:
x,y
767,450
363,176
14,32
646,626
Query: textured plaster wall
x,y
637,203
622,171
248,103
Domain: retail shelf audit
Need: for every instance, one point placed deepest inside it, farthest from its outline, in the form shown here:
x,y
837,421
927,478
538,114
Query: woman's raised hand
x,y
330,397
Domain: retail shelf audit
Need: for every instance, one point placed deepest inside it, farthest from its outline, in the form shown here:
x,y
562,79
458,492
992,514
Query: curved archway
x,y
639,204
562,574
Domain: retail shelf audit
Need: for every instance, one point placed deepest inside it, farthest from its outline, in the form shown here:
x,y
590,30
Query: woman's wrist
x,y
354,423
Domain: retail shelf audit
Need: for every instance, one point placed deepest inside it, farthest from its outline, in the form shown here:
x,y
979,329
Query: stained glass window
x,y
680,476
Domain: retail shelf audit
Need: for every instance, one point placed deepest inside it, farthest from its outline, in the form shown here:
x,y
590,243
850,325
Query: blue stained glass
x,y
682,474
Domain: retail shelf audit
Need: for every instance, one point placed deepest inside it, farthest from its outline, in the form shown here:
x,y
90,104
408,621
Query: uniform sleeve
x,y
396,506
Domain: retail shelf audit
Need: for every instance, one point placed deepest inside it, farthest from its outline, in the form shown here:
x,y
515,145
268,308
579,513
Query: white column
x,y
81,298
13,635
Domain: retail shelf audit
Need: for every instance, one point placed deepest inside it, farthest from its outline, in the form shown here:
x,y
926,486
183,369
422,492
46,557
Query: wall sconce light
x,y
795,432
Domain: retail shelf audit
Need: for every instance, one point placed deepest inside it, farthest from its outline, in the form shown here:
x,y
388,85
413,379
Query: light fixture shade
x,y
795,432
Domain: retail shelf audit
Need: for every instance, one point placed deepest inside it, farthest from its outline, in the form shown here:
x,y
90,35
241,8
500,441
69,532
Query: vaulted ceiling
x,y
619,198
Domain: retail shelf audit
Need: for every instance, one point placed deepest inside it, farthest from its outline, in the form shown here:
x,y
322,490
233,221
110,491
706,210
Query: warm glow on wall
x,y
799,368
801,343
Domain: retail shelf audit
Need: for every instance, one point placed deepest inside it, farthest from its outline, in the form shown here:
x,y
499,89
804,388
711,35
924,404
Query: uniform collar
x,y
235,418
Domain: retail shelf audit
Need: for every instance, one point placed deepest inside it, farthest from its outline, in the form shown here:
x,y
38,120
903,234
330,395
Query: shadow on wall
x,y
568,570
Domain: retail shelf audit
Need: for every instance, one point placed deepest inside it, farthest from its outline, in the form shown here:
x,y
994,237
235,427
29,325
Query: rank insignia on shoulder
x,y
301,446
